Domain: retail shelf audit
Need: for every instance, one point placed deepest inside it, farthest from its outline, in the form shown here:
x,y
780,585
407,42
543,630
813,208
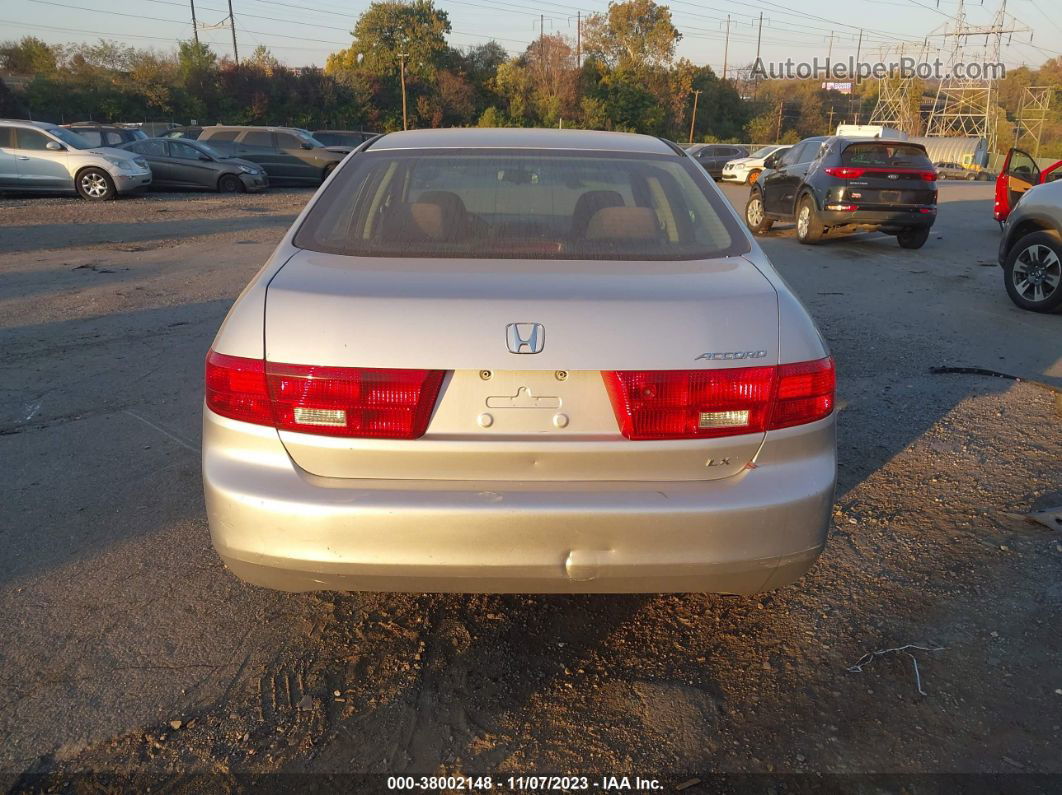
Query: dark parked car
x,y
824,183
192,132
106,134
713,157
351,138
1031,249
177,163
288,154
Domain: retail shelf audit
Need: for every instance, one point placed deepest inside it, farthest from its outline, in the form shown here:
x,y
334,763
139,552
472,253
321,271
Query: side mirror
x,y
770,161
54,146
307,146
206,158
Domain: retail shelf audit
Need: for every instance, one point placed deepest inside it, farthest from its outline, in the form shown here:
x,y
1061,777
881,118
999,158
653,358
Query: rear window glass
x,y
223,135
517,204
893,155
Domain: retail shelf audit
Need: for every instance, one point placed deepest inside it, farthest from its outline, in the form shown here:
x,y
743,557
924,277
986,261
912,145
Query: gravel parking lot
x,y
129,647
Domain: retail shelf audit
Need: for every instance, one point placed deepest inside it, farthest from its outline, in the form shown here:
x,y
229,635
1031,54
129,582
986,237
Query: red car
x,y
1019,173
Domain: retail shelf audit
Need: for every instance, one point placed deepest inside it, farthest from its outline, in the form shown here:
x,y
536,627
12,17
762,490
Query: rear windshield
x,y
520,204
887,154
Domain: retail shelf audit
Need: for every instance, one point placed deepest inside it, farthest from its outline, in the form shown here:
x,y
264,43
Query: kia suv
x,y
826,183
510,360
36,157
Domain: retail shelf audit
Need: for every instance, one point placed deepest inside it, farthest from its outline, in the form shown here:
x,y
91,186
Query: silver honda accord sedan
x,y
501,360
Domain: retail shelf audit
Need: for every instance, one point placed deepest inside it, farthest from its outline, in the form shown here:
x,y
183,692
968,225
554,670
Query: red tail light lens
x,y
236,388
845,172
330,401
805,393
852,172
699,404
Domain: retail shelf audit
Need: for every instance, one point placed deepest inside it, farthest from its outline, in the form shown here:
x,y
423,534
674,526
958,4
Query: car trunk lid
x,y
509,416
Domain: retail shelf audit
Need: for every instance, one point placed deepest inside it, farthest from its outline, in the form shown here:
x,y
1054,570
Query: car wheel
x,y
95,184
913,238
753,176
941,176
971,177
1032,272
755,217
328,170
808,225
230,183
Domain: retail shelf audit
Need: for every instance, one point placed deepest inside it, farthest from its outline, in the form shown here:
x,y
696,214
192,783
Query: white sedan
x,y
747,169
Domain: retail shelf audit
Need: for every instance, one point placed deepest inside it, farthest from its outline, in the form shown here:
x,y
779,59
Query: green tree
x,y
30,56
631,35
390,28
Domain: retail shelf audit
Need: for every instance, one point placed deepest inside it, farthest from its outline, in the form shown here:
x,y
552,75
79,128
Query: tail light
x,y
852,172
697,404
330,401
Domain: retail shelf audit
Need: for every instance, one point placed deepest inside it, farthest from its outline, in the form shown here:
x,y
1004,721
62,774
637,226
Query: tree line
x,y
621,75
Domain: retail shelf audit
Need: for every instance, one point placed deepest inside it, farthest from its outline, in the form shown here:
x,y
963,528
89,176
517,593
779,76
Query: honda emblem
x,y
525,337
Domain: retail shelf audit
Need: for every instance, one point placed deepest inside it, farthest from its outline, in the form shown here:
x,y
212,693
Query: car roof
x,y
523,138
41,125
250,127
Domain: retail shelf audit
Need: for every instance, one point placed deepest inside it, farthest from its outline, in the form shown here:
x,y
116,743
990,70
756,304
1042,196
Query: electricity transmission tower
x,y
898,100
1032,113
965,106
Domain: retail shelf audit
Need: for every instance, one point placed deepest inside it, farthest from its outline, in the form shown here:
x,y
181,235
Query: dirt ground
x,y
129,648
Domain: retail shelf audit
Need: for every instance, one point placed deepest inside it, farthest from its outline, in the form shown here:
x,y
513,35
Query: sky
x,y
303,33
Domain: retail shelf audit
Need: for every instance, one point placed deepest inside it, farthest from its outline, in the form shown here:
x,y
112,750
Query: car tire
x,y
328,170
755,217
230,183
971,177
808,225
752,177
1039,255
95,184
941,177
914,237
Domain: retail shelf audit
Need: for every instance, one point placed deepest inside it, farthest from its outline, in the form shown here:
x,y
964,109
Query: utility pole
x,y
829,51
758,36
829,124
579,40
693,118
778,126
542,41
402,73
195,26
726,46
232,24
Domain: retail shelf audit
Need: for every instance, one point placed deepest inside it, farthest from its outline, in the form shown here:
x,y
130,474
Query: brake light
x,y
845,172
330,401
698,404
852,172
805,393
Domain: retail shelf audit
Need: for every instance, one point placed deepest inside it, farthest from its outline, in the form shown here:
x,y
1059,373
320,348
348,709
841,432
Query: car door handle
x,y
21,157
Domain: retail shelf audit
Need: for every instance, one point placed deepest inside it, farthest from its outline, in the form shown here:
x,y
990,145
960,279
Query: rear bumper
x,y
891,218
276,525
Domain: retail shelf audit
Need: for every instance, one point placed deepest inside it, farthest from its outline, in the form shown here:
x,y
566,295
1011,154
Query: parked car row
x,y
94,159
45,158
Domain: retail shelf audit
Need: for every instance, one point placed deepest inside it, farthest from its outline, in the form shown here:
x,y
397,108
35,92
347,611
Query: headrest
x,y
623,223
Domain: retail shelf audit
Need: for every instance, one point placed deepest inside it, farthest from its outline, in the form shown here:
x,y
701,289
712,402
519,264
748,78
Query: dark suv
x,y
288,154
713,157
827,182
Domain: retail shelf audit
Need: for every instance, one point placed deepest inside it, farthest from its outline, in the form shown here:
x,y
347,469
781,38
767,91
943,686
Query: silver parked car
x,y
1030,250
513,360
45,158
